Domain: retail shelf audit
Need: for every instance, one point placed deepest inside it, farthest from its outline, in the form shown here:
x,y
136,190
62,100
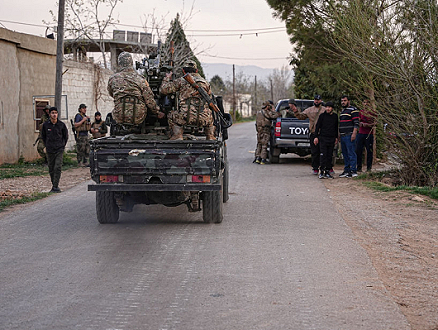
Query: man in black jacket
x,y
326,132
55,135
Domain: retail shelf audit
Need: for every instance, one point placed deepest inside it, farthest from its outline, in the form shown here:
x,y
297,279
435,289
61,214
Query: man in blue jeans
x,y
348,127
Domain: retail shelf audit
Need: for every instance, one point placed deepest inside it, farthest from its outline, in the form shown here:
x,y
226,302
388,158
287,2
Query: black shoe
x,y
257,161
263,162
344,174
55,190
327,175
353,174
321,176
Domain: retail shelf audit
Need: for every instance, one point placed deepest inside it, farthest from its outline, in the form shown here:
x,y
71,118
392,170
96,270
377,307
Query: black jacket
x,y
54,136
327,125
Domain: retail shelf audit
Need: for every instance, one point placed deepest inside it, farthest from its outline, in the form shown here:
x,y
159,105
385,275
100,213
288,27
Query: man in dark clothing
x,y
55,136
312,113
326,135
348,127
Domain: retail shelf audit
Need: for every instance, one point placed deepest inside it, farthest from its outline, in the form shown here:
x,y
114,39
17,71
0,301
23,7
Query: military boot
x,y
258,160
177,133
209,133
263,162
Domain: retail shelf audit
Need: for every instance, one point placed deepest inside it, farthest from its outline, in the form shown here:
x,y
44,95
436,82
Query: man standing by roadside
x,y
312,113
365,138
327,132
40,146
348,127
55,135
83,126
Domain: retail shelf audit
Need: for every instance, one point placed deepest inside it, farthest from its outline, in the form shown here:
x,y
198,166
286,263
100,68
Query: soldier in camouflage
x,y
40,146
83,125
132,94
263,126
98,127
193,109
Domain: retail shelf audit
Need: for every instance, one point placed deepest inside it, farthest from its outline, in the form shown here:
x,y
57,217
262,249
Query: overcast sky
x,y
233,25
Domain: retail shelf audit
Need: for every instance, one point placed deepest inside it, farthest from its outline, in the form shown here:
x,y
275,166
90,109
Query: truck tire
x,y
106,207
212,206
226,179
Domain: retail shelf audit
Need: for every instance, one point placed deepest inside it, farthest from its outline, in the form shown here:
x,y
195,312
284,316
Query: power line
x,y
240,32
243,58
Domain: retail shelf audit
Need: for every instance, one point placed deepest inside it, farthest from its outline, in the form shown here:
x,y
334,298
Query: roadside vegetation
x,y
387,181
34,168
381,50
24,169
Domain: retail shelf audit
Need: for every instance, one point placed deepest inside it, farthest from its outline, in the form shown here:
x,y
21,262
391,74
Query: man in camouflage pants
x,y
263,126
83,126
193,109
132,94
40,146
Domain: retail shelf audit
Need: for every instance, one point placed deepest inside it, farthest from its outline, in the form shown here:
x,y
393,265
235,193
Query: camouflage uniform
x,y
193,109
131,92
82,142
101,126
40,146
263,126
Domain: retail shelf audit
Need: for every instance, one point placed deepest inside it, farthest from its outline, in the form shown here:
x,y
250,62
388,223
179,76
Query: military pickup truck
x,y
289,134
147,168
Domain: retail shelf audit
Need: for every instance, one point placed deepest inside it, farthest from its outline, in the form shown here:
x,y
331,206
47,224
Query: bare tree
x,y
395,43
90,20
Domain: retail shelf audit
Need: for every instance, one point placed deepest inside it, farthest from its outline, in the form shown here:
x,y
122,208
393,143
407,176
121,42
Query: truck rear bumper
x,y
153,187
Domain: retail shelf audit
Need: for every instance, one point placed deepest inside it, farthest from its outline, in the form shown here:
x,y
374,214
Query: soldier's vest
x,y
196,100
85,127
97,126
43,119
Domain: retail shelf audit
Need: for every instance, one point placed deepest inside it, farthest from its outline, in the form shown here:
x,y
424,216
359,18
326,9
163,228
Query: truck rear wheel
x,y
226,176
212,206
106,207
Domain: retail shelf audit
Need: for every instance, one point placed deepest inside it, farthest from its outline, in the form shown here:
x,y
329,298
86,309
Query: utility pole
x,y
255,96
59,55
272,91
234,93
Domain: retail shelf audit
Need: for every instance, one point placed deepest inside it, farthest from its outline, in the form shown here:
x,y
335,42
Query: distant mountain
x,y
225,71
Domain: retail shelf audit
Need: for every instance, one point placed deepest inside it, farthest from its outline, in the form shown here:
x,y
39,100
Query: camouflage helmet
x,y
125,60
190,64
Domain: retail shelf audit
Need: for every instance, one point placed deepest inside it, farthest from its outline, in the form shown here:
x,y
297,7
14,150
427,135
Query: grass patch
x,y
425,191
35,168
25,199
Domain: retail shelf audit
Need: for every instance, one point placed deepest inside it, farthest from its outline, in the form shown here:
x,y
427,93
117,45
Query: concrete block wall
x,y
79,84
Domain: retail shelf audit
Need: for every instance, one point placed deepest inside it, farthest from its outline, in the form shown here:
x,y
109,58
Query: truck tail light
x,y
278,128
198,178
111,178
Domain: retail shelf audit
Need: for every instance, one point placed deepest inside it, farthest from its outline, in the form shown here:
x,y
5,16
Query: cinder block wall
x,y
85,83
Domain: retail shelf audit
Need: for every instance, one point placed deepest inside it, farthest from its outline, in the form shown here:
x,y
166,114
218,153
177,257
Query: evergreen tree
x,y
181,47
